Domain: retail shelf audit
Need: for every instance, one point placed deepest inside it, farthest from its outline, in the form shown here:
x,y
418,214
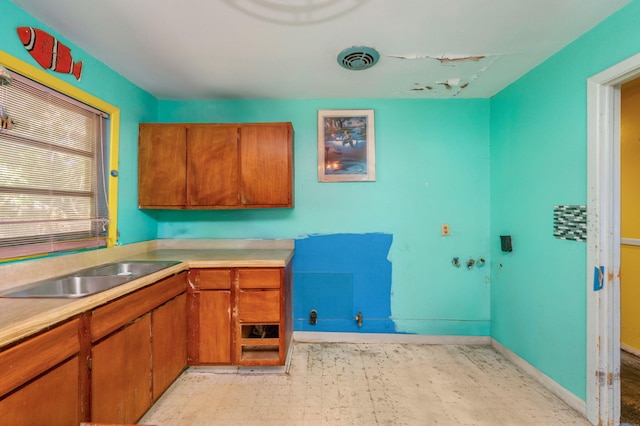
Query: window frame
x,y
112,143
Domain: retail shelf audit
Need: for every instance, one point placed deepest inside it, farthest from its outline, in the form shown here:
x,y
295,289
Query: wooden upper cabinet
x,y
162,165
216,166
213,166
266,165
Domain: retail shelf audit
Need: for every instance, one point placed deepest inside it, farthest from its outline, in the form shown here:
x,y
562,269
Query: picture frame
x,y
346,145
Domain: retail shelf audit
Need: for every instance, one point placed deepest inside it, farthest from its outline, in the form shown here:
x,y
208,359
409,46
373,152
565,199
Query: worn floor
x,y
368,384
629,389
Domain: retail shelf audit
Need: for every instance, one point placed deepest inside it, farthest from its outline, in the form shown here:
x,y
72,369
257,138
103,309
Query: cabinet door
x,y
162,166
121,374
169,343
49,400
215,327
266,165
213,165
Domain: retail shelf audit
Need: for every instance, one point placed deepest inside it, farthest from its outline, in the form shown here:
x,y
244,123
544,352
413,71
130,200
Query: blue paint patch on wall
x,y
332,291
340,275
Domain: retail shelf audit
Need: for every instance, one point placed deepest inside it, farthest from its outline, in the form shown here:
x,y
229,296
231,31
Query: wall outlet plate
x,y
445,230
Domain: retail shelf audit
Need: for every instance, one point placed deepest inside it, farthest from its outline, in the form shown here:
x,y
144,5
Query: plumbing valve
x,y
470,264
359,319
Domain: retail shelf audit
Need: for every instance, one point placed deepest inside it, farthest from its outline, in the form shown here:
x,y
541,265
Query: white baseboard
x,y
330,337
558,390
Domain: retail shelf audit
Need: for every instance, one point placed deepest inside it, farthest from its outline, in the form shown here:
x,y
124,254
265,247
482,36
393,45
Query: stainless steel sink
x,y
70,287
137,268
89,281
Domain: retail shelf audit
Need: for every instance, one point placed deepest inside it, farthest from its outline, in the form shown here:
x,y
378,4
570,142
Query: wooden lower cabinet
x,y
121,374
138,350
43,368
261,316
209,307
240,316
51,399
215,327
110,364
168,343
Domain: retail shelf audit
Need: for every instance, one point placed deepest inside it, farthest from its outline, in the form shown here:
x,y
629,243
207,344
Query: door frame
x,y
603,242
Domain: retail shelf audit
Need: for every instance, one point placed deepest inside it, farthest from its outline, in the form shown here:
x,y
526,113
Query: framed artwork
x,y
346,145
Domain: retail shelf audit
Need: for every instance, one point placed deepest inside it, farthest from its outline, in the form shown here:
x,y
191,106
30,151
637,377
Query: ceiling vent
x,y
358,58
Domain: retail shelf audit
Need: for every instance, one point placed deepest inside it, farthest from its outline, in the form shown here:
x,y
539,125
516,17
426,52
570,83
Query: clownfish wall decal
x,y
48,51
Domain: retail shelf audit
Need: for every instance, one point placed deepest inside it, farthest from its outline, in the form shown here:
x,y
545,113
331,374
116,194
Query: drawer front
x,y
35,355
259,278
215,279
261,306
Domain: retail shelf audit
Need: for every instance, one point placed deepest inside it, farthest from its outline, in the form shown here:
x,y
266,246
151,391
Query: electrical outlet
x,y
445,230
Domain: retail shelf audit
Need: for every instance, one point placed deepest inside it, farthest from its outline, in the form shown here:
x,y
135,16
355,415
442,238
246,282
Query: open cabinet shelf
x,y
259,344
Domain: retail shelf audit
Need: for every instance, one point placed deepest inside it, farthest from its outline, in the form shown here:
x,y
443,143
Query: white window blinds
x,y
52,173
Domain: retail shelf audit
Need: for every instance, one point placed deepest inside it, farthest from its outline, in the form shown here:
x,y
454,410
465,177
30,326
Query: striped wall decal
x,y
570,223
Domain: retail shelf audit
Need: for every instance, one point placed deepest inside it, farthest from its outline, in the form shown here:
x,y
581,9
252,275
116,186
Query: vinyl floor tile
x,y
366,384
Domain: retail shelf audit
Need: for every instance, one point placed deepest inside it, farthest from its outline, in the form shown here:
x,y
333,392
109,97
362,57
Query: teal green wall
x,y
101,81
432,161
538,160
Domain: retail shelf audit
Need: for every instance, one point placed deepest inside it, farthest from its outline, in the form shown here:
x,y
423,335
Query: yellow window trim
x,y
43,77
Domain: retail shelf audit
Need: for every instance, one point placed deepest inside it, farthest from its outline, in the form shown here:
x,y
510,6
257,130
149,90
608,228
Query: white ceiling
x,y
287,49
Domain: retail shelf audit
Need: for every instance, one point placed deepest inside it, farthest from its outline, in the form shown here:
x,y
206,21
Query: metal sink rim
x,y
83,278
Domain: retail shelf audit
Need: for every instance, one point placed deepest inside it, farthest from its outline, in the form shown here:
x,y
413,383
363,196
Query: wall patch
x,y
339,275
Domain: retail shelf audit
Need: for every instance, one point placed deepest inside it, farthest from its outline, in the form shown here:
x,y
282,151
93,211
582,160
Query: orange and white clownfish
x,y
48,51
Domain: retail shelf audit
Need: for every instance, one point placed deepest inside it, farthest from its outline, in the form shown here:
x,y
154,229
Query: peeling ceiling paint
x,y
287,49
443,59
461,70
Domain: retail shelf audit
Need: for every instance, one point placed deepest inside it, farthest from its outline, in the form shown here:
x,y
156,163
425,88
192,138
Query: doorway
x,y
629,253
603,244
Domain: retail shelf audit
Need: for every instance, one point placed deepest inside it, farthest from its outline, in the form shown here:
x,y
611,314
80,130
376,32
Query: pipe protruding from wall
x,y
359,319
313,317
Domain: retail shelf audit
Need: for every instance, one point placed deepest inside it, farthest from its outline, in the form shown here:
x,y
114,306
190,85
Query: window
x,y
53,185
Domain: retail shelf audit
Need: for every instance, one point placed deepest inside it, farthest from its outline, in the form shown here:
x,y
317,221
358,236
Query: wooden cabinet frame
x,y
258,297
66,352
126,324
215,166
61,367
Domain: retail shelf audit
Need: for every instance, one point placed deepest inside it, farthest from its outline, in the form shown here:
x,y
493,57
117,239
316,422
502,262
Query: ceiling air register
x,y
358,58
